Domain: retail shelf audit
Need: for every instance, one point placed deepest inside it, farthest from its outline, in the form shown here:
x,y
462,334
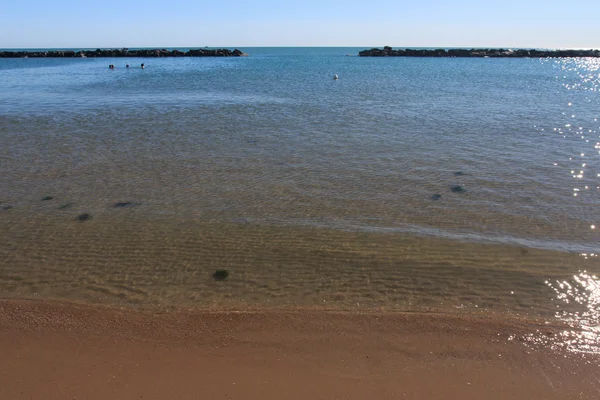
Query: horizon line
x,y
298,46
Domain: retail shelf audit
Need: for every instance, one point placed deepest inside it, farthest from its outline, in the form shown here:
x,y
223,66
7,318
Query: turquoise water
x,y
408,183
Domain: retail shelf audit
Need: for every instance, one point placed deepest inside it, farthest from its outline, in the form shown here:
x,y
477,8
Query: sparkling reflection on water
x,y
583,291
578,303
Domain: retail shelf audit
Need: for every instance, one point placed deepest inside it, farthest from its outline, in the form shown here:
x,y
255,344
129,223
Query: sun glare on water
x,y
578,301
584,292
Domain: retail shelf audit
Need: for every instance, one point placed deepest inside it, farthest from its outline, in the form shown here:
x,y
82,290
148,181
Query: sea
x,y
451,185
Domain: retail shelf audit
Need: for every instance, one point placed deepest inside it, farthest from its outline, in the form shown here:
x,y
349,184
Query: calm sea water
x,y
402,167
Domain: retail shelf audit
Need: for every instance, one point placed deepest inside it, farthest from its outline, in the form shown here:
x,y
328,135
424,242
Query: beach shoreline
x,y
81,351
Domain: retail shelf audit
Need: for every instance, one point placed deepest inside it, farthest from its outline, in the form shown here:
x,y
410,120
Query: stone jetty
x,y
491,53
122,53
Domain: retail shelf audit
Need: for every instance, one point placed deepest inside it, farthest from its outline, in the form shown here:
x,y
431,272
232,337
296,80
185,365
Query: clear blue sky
x,y
228,23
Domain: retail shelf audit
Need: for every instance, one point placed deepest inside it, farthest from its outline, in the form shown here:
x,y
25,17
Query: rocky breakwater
x,y
488,53
123,53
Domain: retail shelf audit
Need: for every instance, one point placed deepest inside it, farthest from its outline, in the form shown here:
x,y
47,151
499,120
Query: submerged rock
x,y
46,198
220,275
457,189
436,196
84,217
126,204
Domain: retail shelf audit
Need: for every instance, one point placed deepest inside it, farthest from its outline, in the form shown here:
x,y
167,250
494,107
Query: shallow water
x,y
413,184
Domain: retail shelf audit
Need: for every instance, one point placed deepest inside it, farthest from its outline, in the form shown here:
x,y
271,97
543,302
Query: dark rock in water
x,y
458,189
65,206
123,53
387,51
436,196
239,53
45,198
126,204
84,217
7,207
220,275
459,173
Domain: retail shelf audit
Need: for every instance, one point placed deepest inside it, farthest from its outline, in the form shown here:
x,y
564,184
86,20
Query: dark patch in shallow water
x,y
126,204
65,206
84,217
459,173
457,189
46,198
436,197
220,275
7,207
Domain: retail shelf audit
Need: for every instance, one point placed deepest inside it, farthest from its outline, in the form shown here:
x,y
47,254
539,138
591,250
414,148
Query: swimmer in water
x,y
143,66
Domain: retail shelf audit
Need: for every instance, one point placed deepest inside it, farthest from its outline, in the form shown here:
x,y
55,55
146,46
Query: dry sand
x,y
52,350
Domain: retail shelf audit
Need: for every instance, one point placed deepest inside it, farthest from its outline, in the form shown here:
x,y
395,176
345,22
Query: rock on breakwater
x,y
387,51
123,53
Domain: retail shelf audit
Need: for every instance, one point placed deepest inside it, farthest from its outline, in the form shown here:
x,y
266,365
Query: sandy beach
x,y
57,350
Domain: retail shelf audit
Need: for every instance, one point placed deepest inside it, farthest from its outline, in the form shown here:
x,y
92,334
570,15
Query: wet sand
x,y
55,350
